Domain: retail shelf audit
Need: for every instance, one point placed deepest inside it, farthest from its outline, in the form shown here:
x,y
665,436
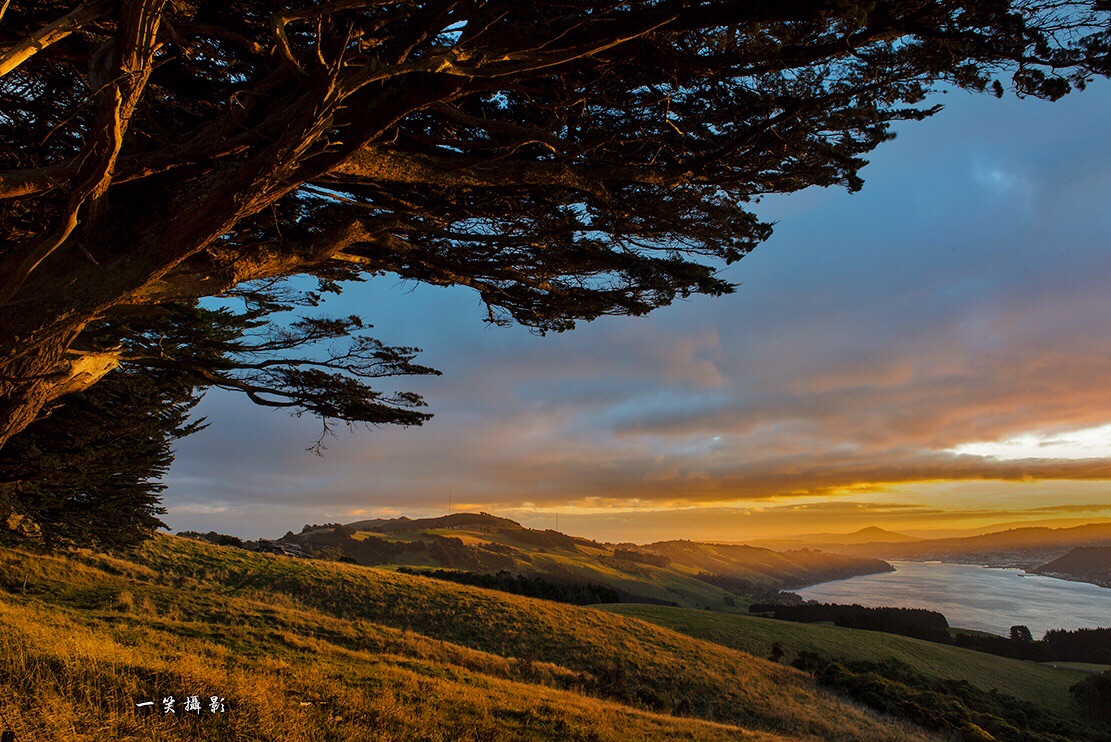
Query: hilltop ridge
x,y
1084,564
452,520
1026,548
684,573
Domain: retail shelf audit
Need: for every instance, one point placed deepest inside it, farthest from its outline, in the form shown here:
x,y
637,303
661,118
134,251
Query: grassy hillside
x,y
314,650
692,574
1027,681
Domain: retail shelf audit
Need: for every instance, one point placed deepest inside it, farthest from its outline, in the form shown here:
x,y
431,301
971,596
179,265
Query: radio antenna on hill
x,y
449,500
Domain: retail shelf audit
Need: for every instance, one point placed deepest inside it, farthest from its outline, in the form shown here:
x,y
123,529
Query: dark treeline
x,y
379,551
339,544
754,590
1082,645
1006,647
915,622
212,537
641,557
547,538
586,593
1093,696
956,708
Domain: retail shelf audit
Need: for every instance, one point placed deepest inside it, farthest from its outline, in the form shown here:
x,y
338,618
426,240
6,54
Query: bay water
x,y
976,597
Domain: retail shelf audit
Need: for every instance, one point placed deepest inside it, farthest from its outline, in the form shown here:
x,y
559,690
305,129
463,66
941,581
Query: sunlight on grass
x,y
308,650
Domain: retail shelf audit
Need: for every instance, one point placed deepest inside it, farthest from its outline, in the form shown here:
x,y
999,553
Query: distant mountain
x,y
1026,548
830,541
871,534
1083,564
875,534
684,573
455,520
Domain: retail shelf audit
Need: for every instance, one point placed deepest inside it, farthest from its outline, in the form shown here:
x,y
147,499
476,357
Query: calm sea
x,y
974,597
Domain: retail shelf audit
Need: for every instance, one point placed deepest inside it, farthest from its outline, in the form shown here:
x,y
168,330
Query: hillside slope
x,y
311,650
692,574
1030,682
1084,563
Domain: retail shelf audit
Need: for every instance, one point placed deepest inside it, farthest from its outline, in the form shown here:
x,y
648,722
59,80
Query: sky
x,y
929,355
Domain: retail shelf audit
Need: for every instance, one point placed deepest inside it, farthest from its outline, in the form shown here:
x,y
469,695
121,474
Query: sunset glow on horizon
x,y
931,354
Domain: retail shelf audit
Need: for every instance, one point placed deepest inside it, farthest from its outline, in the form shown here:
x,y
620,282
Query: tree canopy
x,y
566,160
87,471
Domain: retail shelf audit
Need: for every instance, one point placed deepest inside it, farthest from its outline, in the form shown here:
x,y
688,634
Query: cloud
x,y
872,341
1000,179
1079,444
198,508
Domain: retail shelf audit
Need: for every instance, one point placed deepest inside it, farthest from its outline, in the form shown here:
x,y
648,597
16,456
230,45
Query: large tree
x,y
86,471
564,159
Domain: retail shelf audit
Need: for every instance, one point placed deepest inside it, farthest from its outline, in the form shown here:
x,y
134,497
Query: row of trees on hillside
x,y
916,622
532,586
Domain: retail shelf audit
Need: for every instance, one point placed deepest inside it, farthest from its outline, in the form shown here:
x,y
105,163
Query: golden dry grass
x,y
306,650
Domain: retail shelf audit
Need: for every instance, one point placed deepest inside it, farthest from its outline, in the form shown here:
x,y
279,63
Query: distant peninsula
x,y
1082,564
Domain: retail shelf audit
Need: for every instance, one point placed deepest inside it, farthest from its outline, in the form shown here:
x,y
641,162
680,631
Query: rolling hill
x,y
1035,684
693,574
1026,548
301,650
1084,563
867,535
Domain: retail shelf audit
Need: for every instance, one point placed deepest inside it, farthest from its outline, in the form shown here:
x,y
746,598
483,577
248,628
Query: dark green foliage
x,y
741,586
1082,645
954,707
1093,695
314,365
454,553
1006,647
497,548
219,539
548,537
533,586
641,557
1021,634
338,544
915,622
87,473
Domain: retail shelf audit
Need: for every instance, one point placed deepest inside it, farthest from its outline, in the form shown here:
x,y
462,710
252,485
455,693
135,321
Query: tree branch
x,y
52,33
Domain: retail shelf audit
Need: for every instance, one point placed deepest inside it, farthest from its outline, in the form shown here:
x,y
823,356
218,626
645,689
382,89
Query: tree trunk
x,y
30,380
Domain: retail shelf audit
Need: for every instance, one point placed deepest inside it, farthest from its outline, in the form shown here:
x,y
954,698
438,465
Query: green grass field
x,y
310,650
1028,681
1088,667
